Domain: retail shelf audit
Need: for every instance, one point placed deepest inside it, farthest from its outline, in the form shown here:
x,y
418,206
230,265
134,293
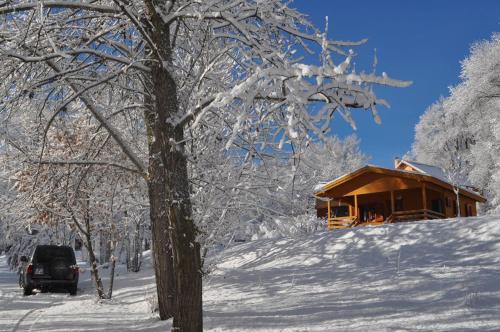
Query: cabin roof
x,y
419,175
431,170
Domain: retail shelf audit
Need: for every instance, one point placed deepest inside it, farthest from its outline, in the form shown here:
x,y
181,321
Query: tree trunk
x,y
92,259
169,187
173,230
112,261
93,264
111,276
457,193
137,248
161,247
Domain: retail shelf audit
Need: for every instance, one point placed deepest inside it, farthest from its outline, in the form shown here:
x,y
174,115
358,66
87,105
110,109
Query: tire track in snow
x,y
30,312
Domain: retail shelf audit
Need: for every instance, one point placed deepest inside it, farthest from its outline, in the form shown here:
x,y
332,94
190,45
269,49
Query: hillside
x,y
435,275
430,276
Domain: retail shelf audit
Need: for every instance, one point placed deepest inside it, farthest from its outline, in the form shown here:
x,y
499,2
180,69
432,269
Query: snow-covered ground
x,y
430,276
127,311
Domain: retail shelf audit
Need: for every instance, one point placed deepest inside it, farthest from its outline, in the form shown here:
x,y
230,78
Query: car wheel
x,y
27,291
72,291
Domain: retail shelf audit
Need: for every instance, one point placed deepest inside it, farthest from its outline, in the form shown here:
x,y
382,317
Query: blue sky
x,y
418,40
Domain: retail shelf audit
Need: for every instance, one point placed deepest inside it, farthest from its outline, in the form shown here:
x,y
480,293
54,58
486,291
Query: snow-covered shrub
x,y
288,227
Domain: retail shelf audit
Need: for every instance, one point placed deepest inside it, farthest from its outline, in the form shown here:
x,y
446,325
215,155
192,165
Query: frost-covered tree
x,y
270,197
428,144
59,193
478,96
334,158
234,66
464,126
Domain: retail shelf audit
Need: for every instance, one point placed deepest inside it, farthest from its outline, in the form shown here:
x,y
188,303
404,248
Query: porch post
x,y
356,205
329,209
424,200
393,204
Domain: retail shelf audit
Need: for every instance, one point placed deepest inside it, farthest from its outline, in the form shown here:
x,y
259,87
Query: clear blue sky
x,y
418,40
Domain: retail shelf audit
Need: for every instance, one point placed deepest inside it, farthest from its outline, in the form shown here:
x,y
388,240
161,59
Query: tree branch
x,y
85,163
59,4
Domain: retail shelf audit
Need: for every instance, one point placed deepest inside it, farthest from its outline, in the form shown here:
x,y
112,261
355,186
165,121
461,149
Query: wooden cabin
x,y
375,195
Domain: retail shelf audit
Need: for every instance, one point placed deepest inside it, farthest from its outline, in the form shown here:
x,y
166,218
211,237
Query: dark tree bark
x,y
169,188
92,259
161,248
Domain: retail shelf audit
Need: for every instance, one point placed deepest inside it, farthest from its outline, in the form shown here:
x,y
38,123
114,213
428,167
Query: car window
x,y
48,254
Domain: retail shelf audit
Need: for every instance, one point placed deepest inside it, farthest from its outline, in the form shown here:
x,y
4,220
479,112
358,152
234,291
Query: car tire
x,y
72,291
27,291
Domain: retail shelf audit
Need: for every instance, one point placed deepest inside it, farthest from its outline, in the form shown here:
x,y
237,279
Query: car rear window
x,y
47,254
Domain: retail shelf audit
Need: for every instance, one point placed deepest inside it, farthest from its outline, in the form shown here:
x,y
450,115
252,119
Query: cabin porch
x,y
386,207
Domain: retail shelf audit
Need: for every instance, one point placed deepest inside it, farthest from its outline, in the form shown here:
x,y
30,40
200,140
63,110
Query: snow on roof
x,y
319,186
434,171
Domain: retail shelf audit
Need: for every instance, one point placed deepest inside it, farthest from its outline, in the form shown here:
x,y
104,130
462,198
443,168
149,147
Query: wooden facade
x,y
375,195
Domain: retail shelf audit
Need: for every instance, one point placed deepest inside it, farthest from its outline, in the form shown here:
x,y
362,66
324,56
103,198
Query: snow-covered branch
x,y
80,5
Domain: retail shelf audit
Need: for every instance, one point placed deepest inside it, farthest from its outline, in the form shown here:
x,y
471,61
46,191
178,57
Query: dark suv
x,y
50,267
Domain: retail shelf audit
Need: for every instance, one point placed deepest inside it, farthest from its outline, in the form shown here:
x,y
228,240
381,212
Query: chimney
x,y
397,160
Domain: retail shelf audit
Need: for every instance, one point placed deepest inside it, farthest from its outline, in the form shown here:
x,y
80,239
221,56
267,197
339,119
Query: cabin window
x,y
437,205
340,211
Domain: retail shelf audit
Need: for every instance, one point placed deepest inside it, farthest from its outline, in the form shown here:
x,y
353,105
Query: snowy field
x,y
422,276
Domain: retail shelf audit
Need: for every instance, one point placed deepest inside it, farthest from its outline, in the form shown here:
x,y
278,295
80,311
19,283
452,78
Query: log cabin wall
x,y
407,200
467,205
436,199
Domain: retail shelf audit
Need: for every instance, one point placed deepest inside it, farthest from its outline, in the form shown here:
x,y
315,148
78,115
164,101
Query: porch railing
x,y
400,216
342,222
